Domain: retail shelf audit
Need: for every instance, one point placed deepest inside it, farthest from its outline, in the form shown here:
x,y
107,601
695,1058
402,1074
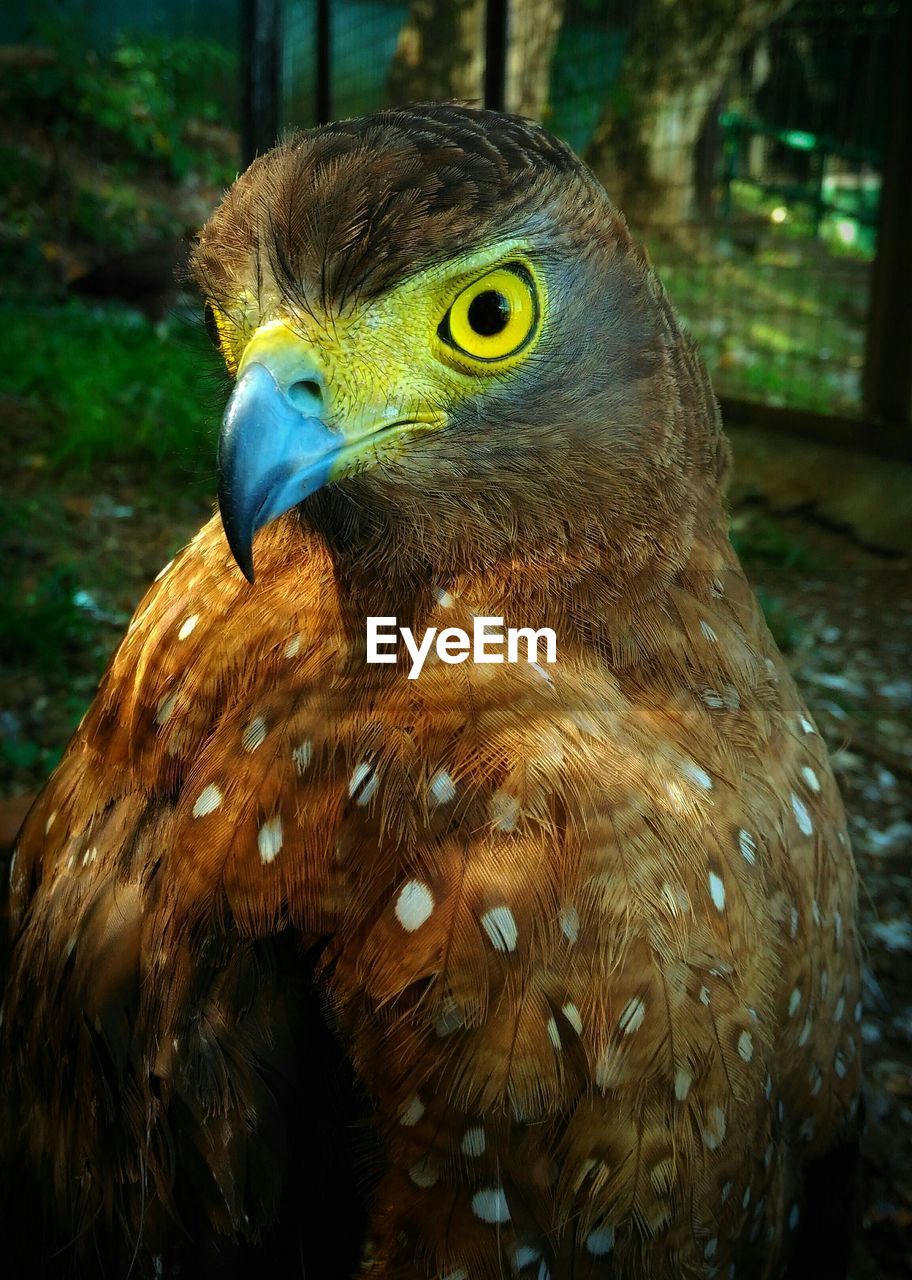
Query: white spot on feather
x,y
293,648
207,801
255,734
802,817
500,925
569,919
414,905
270,838
490,1205
164,709
411,1112
732,697
187,626
805,1033
425,1173
631,1018
572,1014
524,1256
810,778
165,569
806,725
444,598
714,1130
554,1034
697,775
746,1046
794,1002
473,1141
717,891
542,673
50,822
364,783
504,810
449,1019
748,846
708,631
683,1081
442,788
302,755
600,1241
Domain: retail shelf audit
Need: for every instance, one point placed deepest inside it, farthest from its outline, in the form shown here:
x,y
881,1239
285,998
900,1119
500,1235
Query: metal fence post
x,y
323,57
888,352
495,71
261,69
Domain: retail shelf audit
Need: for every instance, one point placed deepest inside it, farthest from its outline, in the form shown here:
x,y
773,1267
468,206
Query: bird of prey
x,y
545,968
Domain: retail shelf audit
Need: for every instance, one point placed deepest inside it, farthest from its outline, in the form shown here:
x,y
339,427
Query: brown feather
x,y
585,935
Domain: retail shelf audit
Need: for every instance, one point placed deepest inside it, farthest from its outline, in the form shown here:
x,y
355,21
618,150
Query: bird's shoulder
x,y
180,723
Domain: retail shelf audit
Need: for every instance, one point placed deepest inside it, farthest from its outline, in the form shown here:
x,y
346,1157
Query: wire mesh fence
x,y
744,140
756,146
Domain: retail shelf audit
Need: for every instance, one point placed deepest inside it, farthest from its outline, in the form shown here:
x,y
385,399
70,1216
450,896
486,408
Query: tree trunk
x,y
534,26
678,56
440,53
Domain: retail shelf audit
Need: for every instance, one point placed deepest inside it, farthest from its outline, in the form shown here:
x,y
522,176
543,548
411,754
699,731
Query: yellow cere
x,y
394,365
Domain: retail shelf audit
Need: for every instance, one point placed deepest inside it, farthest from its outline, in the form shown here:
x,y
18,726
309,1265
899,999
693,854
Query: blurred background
x,y
762,149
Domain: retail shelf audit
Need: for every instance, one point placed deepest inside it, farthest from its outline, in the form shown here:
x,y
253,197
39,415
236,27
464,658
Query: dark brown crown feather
x,y
354,207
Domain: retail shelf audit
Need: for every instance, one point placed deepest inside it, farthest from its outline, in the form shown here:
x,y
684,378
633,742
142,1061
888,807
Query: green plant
x,y
117,386
40,621
786,628
760,540
134,103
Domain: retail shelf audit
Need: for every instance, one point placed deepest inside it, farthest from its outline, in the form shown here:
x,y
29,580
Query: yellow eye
x,y
494,317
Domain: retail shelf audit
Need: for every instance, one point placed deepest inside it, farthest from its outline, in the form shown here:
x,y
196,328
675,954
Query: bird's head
x,y
442,332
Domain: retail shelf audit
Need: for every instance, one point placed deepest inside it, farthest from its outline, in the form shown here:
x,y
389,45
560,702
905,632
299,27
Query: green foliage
x,y
760,540
134,104
39,621
43,630
119,387
775,326
786,628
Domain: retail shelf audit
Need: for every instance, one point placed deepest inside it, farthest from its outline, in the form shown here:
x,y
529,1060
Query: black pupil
x,y
489,313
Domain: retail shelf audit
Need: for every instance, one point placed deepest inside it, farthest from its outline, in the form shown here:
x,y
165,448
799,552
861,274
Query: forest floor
x,y
84,549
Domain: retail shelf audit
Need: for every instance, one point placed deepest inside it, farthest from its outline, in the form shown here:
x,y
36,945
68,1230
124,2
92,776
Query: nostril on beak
x,y
306,395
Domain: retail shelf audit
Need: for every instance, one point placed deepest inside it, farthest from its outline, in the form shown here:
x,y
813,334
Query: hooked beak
x,y
271,456
276,448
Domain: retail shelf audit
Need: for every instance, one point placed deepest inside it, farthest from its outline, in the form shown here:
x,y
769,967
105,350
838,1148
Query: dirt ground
x,y
845,610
